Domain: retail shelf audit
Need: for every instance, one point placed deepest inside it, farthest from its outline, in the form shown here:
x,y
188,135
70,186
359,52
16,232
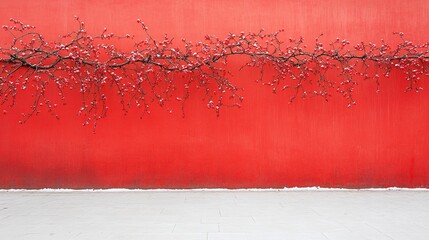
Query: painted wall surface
x,y
383,141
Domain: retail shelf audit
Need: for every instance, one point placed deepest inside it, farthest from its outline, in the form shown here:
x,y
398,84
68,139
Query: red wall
x,y
383,141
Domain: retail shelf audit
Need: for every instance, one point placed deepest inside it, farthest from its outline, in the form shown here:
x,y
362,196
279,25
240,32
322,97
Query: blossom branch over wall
x,y
160,72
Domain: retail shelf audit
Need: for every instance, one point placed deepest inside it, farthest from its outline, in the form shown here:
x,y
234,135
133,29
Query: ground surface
x,y
212,215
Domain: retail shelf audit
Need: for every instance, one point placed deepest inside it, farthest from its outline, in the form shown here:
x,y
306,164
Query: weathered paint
x,y
383,141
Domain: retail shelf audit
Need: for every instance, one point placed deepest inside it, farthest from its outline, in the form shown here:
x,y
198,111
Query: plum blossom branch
x,y
160,72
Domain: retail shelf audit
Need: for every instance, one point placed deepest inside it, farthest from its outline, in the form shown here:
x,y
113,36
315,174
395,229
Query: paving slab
x,y
399,214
